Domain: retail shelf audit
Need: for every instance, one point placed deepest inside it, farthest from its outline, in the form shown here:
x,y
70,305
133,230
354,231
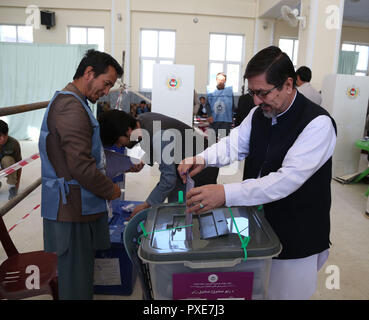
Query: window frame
x,y
225,62
157,58
293,48
16,25
355,44
86,28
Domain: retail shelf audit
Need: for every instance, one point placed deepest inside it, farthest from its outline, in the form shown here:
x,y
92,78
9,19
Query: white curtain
x,y
32,73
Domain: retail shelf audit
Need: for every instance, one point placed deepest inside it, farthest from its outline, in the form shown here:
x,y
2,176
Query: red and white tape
x,y
14,167
24,218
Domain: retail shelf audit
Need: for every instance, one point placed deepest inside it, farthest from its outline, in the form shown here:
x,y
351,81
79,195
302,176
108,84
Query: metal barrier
x,y
6,111
18,198
14,110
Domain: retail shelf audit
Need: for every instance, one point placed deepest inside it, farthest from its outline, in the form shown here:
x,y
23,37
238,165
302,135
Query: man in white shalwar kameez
x,y
288,142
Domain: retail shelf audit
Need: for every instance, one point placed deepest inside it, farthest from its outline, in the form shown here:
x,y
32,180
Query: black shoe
x,y
366,214
1,184
12,193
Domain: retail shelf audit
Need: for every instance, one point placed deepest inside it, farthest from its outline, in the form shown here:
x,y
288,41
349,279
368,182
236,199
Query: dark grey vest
x,y
300,220
188,144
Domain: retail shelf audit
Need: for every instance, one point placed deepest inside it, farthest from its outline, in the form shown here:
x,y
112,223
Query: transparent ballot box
x,y
223,254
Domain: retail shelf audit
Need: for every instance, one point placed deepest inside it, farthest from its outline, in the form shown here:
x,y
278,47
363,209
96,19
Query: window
x,y
362,64
226,55
291,47
86,35
16,33
157,46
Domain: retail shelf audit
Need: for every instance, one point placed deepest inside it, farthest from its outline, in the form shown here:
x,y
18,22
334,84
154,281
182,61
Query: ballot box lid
x,y
166,241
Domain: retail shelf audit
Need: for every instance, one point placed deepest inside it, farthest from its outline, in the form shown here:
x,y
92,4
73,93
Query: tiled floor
x,y
349,253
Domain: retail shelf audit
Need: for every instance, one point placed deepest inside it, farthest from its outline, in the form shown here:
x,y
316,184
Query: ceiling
x,y
356,11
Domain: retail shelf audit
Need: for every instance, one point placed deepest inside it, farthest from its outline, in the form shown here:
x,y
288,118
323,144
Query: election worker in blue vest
x,y
74,185
288,142
221,104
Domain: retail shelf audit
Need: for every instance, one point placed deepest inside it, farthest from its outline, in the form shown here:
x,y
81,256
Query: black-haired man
x,y
142,108
204,108
165,141
10,153
288,142
304,87
74,186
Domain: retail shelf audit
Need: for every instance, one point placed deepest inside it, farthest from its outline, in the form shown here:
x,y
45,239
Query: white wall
x,y
229,8
349,33
355,34
69,15
283,30
192,40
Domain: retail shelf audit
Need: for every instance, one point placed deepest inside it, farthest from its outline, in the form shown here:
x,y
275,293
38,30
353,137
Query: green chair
x,y
363,145
131,234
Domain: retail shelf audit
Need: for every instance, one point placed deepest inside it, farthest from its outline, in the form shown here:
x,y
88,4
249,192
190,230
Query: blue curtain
x,y
347,62
32,73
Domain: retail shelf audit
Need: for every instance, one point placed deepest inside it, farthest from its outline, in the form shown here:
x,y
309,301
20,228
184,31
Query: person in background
x,y
204,108
142,108
304,86
102,107
10,153
121,129
288,141
74,185
245,105
222,105
196,103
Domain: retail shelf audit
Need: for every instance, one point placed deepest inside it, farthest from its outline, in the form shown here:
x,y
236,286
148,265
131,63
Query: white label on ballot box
x,y
107,272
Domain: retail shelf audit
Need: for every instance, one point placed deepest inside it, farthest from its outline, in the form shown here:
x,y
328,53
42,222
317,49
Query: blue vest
x,y
120,150
53,186
221,103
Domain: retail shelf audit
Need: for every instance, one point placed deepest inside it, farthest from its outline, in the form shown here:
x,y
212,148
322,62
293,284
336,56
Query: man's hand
x,y
205,198
139,208
196,163
210,119
116,192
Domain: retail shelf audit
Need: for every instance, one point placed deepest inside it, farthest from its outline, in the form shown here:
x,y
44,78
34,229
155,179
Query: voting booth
x,y
345,97
173,91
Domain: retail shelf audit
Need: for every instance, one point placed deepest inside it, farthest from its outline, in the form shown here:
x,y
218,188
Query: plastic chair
x,y
130,238
13,275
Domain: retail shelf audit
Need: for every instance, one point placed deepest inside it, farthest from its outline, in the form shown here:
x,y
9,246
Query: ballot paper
x,y
189,185
117,163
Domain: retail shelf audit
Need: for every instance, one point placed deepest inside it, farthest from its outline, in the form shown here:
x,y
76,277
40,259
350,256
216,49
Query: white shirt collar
x,y
274,119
